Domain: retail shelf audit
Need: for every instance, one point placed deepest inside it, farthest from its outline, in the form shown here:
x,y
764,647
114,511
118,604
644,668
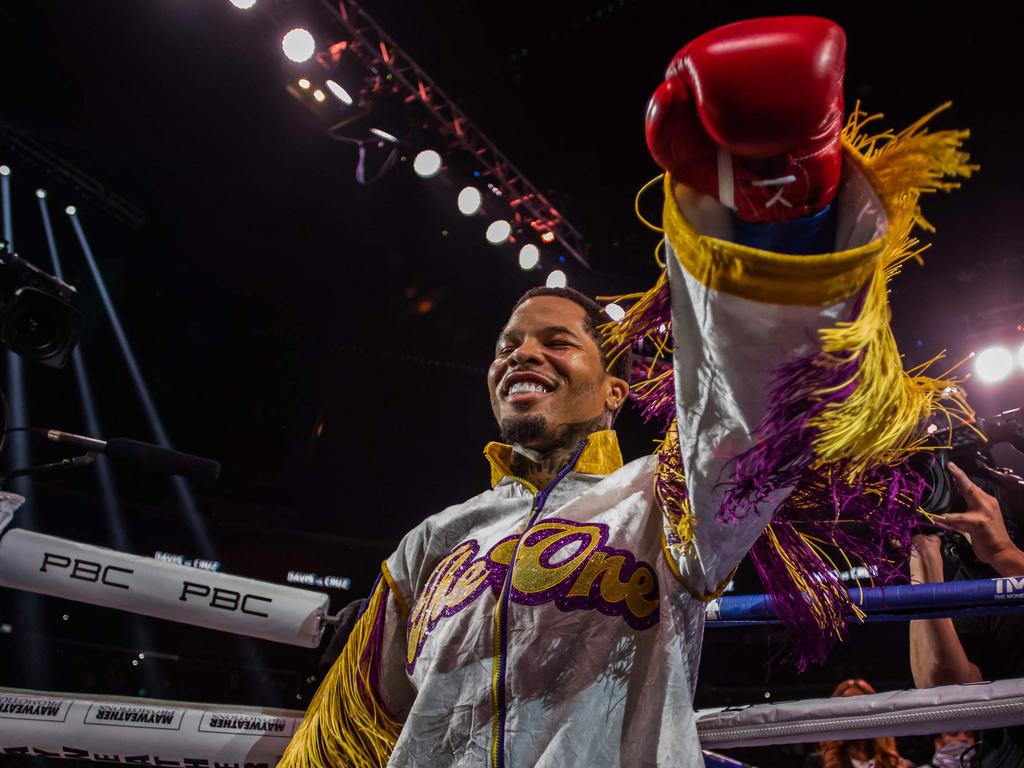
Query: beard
x,y
523,430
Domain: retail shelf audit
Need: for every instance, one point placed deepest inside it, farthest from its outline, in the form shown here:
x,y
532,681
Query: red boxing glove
x,y
751,114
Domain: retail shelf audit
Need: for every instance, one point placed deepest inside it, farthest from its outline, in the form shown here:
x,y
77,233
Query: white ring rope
x,y
49,565
925,711
187,735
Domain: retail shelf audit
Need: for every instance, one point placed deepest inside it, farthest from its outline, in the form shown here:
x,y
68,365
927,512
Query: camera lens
x,y
35,331
40,327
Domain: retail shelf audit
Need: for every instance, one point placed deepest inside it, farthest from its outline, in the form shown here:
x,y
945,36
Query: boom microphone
x,y
142,454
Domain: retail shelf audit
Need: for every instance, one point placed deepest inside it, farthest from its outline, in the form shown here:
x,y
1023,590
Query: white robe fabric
x,y
590,673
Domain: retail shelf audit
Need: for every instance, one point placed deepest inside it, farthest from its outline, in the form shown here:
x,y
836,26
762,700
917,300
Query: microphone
x,y
145,455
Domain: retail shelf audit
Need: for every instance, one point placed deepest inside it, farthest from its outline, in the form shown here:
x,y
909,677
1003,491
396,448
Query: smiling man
x,y
555,619
548,383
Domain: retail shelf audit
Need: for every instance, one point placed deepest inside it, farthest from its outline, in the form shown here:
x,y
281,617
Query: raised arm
x,y
793,413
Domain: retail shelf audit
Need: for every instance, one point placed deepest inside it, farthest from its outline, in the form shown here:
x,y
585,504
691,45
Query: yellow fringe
x,y
345,725
670,490
636,204
880,422
827,620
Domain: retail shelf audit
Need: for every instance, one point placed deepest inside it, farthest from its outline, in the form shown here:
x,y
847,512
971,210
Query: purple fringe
x,y
371,655
785,449
657,402
870,519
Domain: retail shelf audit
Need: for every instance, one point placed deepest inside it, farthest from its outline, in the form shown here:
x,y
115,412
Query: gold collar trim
x,y
601,456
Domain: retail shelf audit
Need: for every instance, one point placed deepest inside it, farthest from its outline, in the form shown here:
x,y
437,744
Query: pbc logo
x,y
224,599
1009,585
86,570
191,592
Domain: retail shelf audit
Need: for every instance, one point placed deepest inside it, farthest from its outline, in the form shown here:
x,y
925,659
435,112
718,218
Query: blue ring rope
x,y
896,603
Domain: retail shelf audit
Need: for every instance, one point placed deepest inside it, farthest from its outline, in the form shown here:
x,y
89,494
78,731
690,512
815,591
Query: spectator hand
x,y
926,559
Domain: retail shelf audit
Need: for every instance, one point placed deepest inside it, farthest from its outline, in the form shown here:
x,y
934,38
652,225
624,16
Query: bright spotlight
x,y
498,232
557,279
71,210
339,93
382,134
319,95
529,256
548,237
993,364
427,163
5,170
304,83
245,5
1020,357
615,312
298,45
469,200
40,193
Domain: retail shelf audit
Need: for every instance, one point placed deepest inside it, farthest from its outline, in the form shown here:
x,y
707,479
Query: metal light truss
x,y
86,188
378,50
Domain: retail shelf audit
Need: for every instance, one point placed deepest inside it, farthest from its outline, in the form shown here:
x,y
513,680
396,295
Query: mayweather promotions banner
x,y
52,566
142,731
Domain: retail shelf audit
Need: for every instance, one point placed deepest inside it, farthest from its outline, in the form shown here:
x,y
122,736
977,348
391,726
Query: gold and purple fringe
x,y
854,496
865,523
647,321
861,519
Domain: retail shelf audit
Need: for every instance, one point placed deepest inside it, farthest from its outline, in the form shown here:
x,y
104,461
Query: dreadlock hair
x,y
595,316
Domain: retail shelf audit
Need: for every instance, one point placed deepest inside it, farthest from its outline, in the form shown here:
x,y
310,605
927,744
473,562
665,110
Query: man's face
x,y
548,374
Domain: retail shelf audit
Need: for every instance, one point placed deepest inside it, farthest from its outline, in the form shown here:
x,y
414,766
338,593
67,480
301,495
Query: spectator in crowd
x,y
954,749
858,753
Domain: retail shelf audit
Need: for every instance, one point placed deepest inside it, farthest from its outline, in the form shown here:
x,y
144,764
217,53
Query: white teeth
x,y
521,387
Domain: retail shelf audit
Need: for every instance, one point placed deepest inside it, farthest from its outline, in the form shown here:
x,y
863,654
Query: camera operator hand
x,y
982,523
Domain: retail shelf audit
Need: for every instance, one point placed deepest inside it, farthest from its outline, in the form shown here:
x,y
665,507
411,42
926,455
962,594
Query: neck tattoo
x,y
540,465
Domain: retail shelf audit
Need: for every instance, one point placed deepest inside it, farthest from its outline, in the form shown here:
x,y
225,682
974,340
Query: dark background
x,y
328,341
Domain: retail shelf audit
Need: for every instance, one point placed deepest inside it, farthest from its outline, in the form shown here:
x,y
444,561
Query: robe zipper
x,y
501,614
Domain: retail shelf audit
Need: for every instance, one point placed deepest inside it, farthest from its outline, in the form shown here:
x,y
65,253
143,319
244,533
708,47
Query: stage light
x,y
382,134
529,256
304,83
427,163
993,364
469,200
71,210
40,193
556,279
1020,357
548,237
5,170
615,312
339,93
319,95
245,5
298,45
498,232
